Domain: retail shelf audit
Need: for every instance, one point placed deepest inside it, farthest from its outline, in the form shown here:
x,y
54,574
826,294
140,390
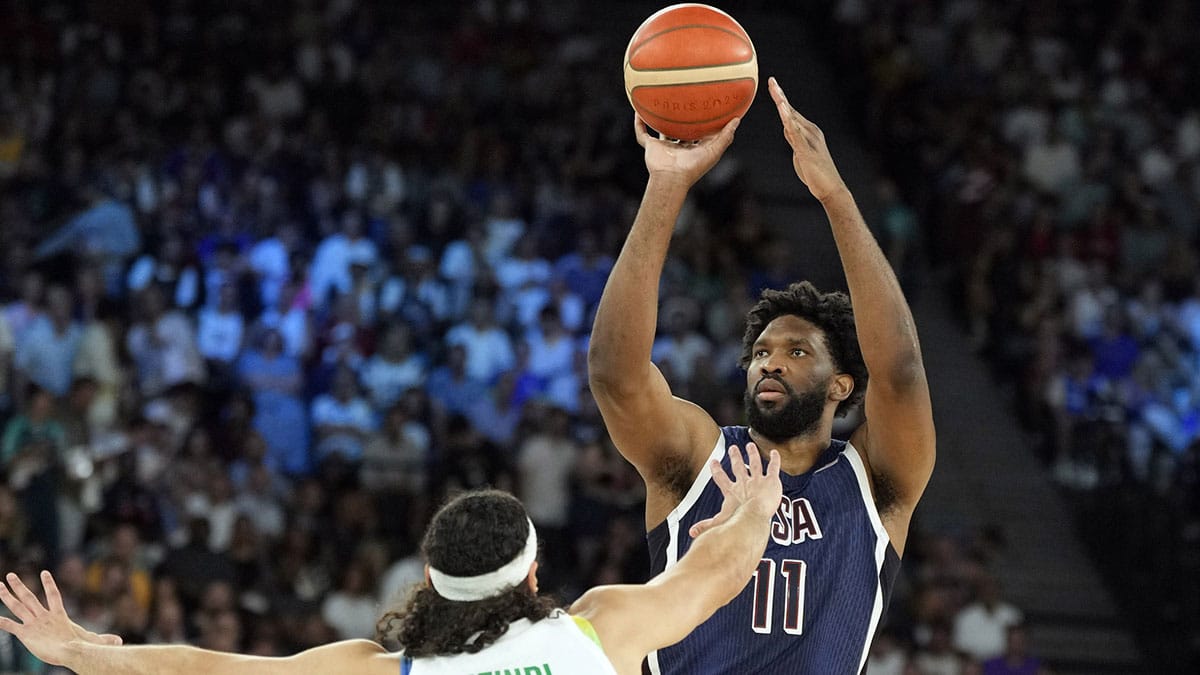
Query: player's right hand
x,y
684,161
750,487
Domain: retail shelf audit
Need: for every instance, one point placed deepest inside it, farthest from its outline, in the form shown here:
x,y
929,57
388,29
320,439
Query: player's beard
x,y
782,421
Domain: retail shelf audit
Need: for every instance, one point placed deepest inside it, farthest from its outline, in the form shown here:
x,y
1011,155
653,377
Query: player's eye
x,y
798,352
760,353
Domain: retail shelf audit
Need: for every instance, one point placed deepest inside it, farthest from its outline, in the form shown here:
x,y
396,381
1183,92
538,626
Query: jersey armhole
x,y
586,626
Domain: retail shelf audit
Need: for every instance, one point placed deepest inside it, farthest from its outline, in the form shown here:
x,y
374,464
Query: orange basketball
x,y
689,69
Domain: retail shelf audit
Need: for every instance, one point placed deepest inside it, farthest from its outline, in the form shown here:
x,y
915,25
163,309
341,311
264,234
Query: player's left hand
x,y
45,630
810,155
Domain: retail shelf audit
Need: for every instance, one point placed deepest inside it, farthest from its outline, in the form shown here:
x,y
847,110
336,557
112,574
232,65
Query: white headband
x,y
479,587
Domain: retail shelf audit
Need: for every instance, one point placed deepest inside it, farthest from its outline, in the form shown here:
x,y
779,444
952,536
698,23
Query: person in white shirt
x,y
489,349
220,329
394,369
981,628
342,419
479,609
332,259
163,346
46,350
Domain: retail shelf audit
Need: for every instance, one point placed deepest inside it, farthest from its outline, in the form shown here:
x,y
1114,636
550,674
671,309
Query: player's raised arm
x,y
898,436
633,620
632,394
50,635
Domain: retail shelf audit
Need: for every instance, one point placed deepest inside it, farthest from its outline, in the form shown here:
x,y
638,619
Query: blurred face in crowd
x,y
457,360
397,342
32,288
344,386
272,343
481,313
59,305
228,298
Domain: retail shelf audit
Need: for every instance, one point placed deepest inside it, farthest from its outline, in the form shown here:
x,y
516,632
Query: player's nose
x,y
772,365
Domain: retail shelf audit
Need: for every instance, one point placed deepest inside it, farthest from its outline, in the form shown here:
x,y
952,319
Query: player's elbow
x,y
605,372
906,373
600,362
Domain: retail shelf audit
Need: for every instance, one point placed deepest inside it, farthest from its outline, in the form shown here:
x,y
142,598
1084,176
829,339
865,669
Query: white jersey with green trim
x,y
560,644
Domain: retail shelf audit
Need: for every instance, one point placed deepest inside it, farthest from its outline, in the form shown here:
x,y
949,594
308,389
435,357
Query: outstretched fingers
x,y
754,459
773,465
54,601
14,602
722,479
796,127
9,626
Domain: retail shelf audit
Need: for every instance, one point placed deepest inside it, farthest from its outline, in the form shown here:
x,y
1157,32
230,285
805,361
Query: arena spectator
x,y
980,628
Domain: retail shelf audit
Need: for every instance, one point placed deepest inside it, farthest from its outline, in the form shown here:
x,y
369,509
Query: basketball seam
x,y
643,43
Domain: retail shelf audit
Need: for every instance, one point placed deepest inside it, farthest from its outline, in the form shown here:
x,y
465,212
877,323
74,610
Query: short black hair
x,y
831,312
475,533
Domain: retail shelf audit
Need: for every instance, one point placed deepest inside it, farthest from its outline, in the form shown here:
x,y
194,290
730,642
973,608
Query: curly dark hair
x,y
475,533
831,312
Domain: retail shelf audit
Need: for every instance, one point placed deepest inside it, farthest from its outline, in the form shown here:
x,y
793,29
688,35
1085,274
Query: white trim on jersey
x,y
677,514
881,544
689,500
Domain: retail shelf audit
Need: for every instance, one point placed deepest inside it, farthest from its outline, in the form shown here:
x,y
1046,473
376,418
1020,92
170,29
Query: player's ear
x,y
428,579
841,387
532,579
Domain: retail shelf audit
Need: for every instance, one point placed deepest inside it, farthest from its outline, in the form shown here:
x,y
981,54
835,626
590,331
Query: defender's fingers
x,y
701,527
14,604
110,639
54,599
8,625
26,596
737,464
773,464
722,479
754,459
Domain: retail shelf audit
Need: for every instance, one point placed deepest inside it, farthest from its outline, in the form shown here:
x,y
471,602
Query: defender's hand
x,y
684,161
750,487
810,155
45,630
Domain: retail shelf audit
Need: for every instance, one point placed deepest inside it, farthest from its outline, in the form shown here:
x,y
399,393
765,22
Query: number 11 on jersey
x,y
793,573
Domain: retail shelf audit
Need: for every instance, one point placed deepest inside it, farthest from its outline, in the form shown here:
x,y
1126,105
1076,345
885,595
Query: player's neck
x,y
799,453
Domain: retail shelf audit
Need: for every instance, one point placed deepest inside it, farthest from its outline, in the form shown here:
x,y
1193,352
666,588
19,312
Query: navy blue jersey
x,y
817,597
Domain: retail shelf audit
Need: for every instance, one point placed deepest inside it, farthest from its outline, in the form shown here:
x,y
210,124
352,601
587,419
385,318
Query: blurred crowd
x,y
1051,152
279,277
948,615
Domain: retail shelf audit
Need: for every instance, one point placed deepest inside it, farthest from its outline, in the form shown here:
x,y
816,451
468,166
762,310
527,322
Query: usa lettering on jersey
x,y
794,522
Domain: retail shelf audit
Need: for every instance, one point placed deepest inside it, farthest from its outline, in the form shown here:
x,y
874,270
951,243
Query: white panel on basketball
x,y
635,78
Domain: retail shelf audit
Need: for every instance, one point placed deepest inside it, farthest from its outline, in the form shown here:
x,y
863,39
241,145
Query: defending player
x,y
816,599
479,610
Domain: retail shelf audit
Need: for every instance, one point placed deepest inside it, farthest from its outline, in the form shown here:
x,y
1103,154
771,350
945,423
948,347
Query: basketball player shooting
x,y
479,611
816,599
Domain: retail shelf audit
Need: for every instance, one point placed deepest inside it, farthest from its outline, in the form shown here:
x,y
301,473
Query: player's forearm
x,y
885,326
623,332
729,553
92,659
